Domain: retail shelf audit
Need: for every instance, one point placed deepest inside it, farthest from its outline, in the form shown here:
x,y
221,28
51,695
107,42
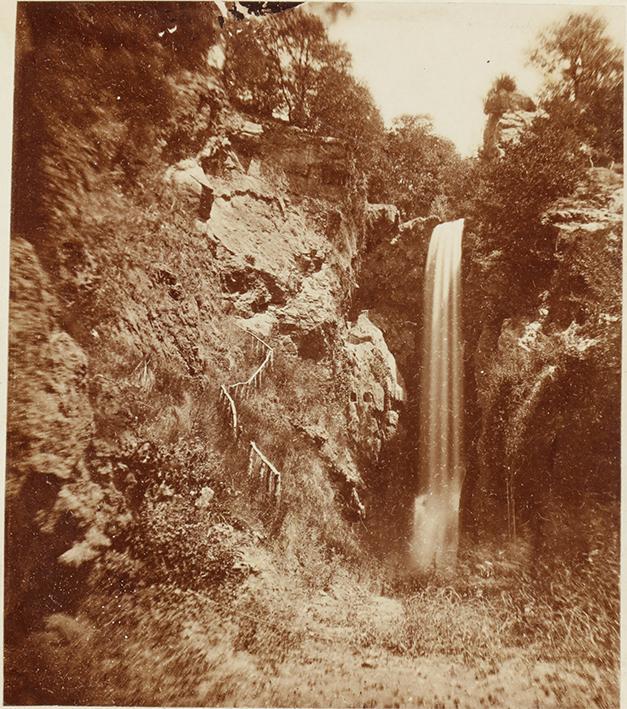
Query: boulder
x,y
187,177
205,498
509,114
375,387
311,316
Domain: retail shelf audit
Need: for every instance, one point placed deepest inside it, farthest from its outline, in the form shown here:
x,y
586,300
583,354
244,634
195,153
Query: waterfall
x,y
436,509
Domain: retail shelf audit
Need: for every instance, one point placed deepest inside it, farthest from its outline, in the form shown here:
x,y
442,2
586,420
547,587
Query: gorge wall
x,y
547,380
127,316
542,377
134,309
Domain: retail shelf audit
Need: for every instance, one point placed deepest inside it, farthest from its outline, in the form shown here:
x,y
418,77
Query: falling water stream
x,y
436,509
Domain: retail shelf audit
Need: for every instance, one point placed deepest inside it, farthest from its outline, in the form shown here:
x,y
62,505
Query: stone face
x,y
376,388
391,285
548,380
509,114
505,128
311,317
312,164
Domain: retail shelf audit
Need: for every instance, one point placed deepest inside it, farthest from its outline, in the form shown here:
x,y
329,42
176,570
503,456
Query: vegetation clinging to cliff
x,y
582,122
286,66
104,90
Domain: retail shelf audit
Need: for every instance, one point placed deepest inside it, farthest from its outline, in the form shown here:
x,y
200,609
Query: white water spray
x,y
436,510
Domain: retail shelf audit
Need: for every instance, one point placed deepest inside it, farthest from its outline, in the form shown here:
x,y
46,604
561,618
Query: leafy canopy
x,y
287,67
584,81
418,171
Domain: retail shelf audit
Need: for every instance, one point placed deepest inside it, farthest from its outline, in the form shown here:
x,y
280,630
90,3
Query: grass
x,y
508,614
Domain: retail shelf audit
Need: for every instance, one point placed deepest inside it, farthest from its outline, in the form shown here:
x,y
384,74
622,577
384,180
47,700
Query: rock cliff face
x,y
548,381
124,327
509,113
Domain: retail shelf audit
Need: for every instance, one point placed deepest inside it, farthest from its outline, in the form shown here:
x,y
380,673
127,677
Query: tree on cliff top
x,y
273,66
287,66
584,81
416,169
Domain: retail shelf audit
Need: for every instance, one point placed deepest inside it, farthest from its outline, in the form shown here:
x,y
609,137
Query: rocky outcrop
x,y
317,166
503,101
376,388
509,114
391,291
391,280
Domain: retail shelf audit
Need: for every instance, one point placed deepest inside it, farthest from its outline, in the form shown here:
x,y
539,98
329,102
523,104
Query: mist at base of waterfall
x,y
434,542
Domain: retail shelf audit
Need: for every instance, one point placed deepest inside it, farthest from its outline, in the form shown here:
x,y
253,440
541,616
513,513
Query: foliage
x,y
287,66
502,97
272,66
516,188
93,92
268,629
505,82
584,81
512,192
414,167
345,108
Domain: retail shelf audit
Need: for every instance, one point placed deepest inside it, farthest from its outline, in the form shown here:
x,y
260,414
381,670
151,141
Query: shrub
x,y
512,193
505,82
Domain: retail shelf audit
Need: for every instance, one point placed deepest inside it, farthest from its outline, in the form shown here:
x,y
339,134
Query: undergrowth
x,y
555,602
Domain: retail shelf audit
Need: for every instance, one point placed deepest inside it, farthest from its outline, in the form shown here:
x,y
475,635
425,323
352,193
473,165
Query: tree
x,y
584,81
249,71
273,66
343,107
287,66
415,167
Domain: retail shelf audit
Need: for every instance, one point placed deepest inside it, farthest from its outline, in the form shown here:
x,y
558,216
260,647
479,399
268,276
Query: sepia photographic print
x,y
314,354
